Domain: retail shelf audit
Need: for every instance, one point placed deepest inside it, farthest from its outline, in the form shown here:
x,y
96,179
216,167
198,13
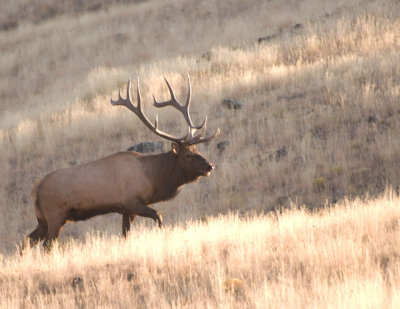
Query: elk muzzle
x,y
210,167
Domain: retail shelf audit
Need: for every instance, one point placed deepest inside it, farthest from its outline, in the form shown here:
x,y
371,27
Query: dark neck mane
x,y
166,175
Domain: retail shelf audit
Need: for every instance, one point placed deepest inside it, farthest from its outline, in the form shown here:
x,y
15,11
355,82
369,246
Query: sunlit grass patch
x,y
342,257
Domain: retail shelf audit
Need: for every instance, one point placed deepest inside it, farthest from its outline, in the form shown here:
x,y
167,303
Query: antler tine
x,y
184,109
189,96
173,101
125,102
191,139
200,140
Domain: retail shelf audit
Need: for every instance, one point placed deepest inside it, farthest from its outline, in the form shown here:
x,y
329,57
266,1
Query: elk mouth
x,y
207,172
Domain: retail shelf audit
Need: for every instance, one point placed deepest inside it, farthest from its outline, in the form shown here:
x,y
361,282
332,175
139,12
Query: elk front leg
x,y
151,213
126,223
143,210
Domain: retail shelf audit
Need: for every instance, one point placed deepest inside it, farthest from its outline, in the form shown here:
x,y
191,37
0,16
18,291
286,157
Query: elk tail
x,y
36,201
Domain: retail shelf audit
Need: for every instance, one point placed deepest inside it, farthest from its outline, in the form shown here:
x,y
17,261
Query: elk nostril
x,y
211,166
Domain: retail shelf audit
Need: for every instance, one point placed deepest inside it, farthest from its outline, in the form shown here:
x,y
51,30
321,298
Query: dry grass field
x,y
318,127
343,257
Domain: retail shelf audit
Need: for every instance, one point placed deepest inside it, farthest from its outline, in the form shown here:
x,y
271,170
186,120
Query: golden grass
x,y
342,257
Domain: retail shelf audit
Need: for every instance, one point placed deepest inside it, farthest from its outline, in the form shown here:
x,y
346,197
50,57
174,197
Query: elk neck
x,y
166,175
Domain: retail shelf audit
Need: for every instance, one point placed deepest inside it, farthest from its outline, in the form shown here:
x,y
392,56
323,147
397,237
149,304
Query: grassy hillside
x,y
320,115
319,84
53,57
343,257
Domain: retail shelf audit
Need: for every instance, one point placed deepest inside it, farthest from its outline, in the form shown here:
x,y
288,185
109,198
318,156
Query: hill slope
x,y
320,115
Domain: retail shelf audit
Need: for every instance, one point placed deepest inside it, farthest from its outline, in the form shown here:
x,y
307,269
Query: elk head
x,y
190,160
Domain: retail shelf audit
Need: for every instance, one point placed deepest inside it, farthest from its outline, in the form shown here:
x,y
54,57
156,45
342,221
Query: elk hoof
x,y
159,220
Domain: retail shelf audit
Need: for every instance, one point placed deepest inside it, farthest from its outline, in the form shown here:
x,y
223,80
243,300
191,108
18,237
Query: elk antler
x,y
139,112
190,138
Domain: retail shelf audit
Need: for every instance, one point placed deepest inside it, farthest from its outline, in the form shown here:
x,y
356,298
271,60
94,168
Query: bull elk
x,y
125,182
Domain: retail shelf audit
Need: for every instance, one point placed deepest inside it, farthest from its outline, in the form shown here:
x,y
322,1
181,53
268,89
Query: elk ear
x,y
175,148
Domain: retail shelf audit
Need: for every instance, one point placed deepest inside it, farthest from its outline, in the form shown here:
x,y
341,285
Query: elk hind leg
x,y
37,235
53,233
126,223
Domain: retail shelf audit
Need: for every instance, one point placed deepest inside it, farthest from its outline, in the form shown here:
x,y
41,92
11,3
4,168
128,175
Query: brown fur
x,y
125,183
